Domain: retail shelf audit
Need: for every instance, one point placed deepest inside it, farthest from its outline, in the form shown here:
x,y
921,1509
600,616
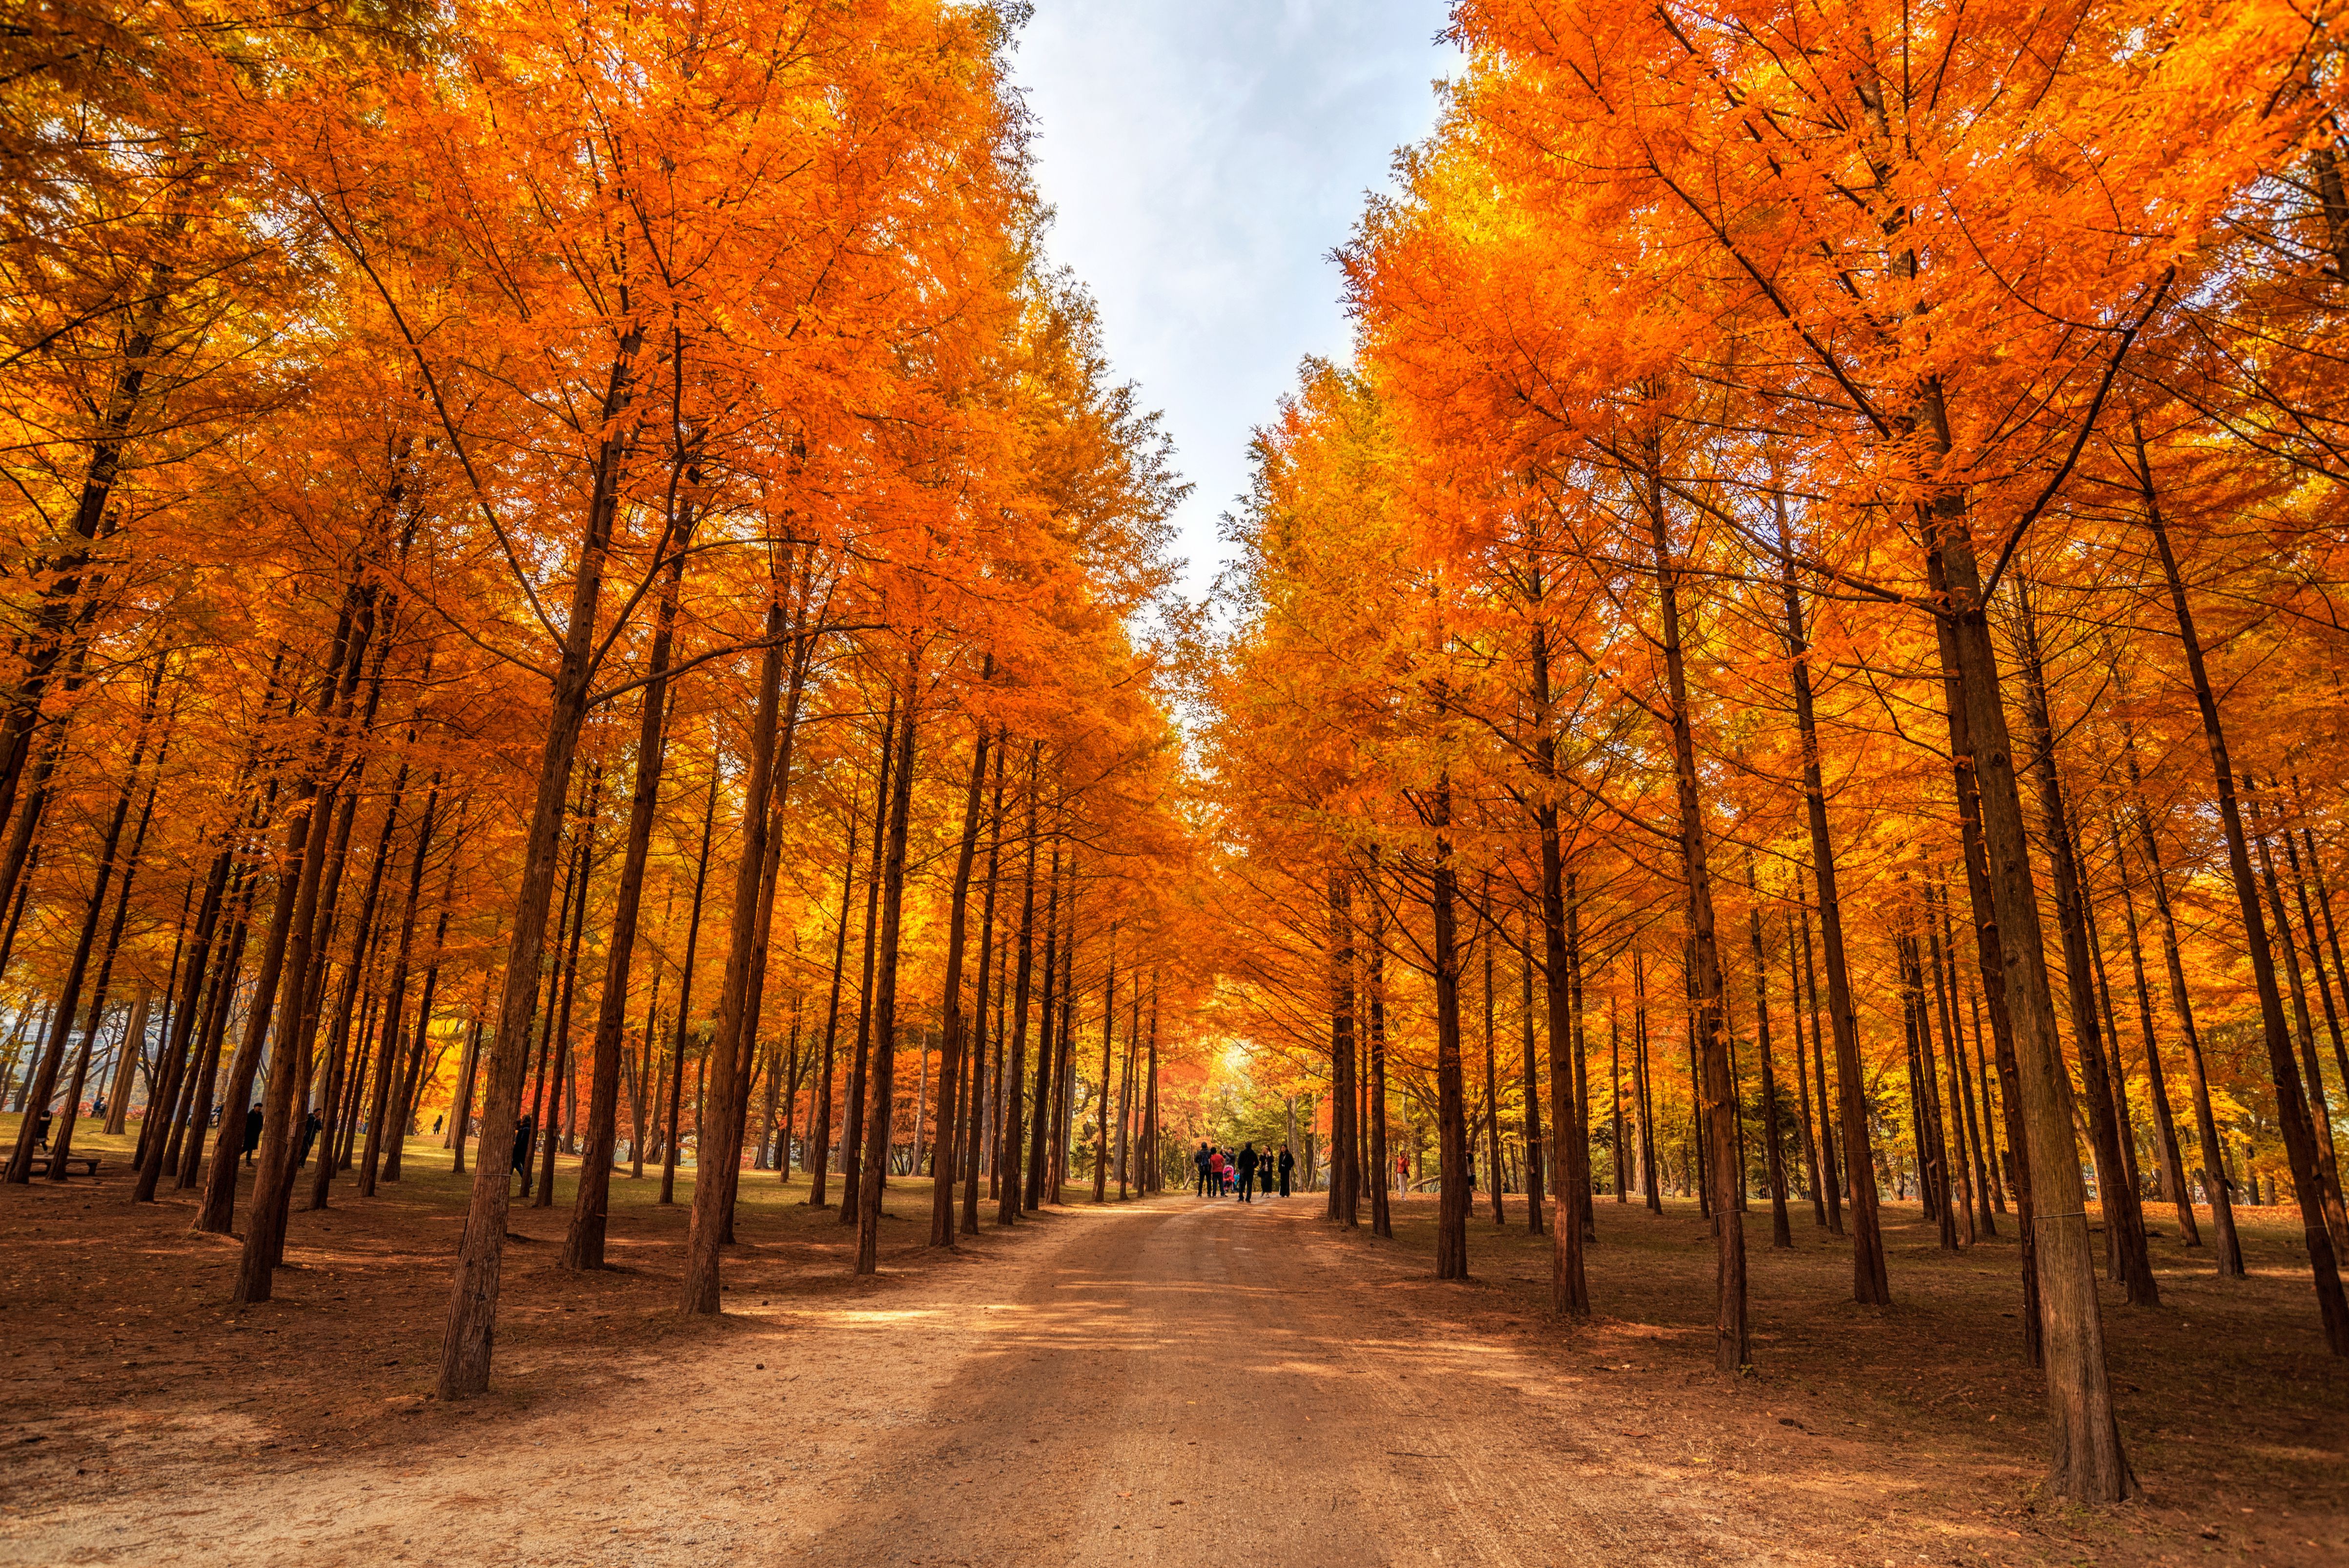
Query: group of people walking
x,y
1224,1174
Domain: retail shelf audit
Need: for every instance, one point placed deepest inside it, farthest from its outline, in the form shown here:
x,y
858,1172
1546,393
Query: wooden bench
x,y
86,1162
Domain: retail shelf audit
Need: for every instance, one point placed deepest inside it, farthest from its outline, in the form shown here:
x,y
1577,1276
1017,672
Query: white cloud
x,y
1203,159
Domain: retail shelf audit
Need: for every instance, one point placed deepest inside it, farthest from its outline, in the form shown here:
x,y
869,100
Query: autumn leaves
x,y
1736,387
610,416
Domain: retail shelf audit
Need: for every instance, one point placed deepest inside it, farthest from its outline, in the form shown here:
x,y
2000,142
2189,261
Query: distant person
x,y
437,1121
252,1132
98,1107
310,1127
1402,1175
525,1136
41,1130
1216,1171
1200,1159
1248,1162
1288,1163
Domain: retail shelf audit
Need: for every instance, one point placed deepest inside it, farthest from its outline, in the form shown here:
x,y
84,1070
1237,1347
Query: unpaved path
x,y
1169,1381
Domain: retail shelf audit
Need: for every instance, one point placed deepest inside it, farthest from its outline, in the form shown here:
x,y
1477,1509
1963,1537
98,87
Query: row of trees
x,y
547,542
1829,553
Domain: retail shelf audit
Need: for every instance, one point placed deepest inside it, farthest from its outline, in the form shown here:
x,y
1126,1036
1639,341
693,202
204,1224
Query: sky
x,y
1204,157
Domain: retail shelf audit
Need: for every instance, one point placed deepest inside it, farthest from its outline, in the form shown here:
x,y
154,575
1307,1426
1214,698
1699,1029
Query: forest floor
x,y
1163,1381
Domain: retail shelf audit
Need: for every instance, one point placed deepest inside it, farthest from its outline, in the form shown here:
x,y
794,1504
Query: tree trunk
x,y
1782,1233
2299,1137
1870,1286
214,1035
802,643
2164,1126
583,1243
1535,1223
2328,1173
1064,1041
851,1182
1454,1197
820,1116
387,1057
978,1118
179,1078
716,1152
1650,1182
544,1017
1939,935
1830,1180
558,1075
2332,932
1127,1103
1933,1164
2088,1462
885,1005
770,1074
1109,1032
134,1028
272,1183
412,1085
1989,1111
1615,1094
2112,1035
219,1203
1382,1207
131,1054
2315,955
339,1047
1345,1173
1015,1077
1153,1170
473,1290
1716,1096
2125,1222
1810,1135
684,996
1047,1062
460,1115
1569,1280
45,1079
953,1042
1492,1070
1990,958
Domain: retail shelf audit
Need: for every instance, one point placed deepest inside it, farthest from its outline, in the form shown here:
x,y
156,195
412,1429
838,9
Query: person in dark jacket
x,y
1200,1159
310,1126
1288,1163
1248,1162
526,1137
252,1132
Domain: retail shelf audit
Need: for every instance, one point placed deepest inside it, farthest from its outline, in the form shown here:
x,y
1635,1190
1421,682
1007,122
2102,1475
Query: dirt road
x,y
1171,1380
1179,1381
1168,1381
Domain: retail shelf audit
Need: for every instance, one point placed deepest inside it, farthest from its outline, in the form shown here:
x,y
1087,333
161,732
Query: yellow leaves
x,y
1683,268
